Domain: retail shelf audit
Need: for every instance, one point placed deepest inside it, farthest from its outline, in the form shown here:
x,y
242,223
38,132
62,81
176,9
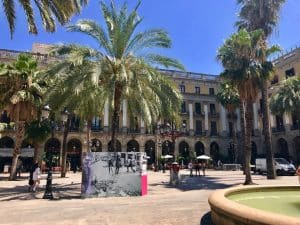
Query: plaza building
x,y
206,128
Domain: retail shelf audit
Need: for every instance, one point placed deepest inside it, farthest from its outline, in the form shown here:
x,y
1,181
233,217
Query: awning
x,y
25,152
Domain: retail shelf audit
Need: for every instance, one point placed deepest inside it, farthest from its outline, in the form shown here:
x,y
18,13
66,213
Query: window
x,y
275,80
182,88
198,127
230,125
183,107
279,123
198,107
213,128
96,123
197,90
211,91
212,108
290,73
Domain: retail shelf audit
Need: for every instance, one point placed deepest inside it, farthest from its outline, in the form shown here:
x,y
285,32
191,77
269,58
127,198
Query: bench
x,y
232,166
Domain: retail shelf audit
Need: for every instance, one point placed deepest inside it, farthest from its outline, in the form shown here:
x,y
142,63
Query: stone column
x,y
206,119
124,122
142,148
191,118
224,122
287,121
272,121
106,116
142,126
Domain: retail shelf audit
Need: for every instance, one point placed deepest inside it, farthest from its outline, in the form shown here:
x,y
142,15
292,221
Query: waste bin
x,y
6,169
174,173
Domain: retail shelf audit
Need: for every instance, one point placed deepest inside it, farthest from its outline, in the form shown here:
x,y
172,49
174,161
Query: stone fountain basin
x,y
228,212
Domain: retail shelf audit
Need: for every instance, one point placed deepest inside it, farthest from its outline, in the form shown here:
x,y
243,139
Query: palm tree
x,y
229,98
287,99
74,86
262,14
49,11
21,94
126,68
36,132
240,57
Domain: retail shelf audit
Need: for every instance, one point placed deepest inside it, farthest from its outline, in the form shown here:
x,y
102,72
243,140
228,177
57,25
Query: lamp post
x,y
49,160
66,123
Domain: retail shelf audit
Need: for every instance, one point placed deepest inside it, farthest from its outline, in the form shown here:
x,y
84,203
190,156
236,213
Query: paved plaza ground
x,y
185,204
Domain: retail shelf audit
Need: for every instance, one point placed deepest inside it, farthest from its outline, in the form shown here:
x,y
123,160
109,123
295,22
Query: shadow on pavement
x,y
201,182
60,192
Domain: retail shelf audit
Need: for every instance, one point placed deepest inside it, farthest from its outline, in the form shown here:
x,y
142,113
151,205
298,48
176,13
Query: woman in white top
x,y
36,176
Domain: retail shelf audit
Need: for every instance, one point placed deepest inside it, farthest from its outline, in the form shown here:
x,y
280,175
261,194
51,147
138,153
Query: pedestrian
x,y
198,167
118,164
110,165
190,167
19,167
131,164
36,176
203,168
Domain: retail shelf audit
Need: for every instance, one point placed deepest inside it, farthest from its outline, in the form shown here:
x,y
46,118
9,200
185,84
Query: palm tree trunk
x,y
234,139
248,133
17,150
116,112
64,149
243,128
267,132
36,156
88,134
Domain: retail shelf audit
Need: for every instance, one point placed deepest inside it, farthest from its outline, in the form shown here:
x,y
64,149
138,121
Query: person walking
x,y
190,167
19,167
36,176
203,168
118,164
198,167
110,166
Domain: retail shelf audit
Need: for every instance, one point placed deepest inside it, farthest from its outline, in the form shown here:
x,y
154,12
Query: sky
x,y
197,29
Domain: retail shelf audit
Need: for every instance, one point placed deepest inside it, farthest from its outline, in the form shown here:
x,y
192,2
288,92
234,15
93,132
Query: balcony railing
x,y
96,128
133,131
214,114
214,134
278,129
200,133
198,113
295,127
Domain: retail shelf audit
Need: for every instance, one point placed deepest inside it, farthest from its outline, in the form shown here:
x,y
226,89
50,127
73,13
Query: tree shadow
x,y
188,183
60,192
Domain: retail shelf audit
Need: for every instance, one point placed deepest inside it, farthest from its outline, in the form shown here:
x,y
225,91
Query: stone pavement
x,y
185,204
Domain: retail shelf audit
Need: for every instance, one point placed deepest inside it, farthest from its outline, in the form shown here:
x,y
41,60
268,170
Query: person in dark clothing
x,y
110,165
118,164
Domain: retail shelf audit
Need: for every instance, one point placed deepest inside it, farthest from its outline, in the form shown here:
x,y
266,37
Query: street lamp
x,y
49,158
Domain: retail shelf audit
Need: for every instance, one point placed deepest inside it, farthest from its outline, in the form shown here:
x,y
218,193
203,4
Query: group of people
x,y
197,167
129,163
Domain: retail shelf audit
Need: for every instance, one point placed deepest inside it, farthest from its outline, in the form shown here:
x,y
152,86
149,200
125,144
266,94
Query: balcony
x,y
200,133
279,129
214,134
96,129
214,114
295,127
198,114
133,131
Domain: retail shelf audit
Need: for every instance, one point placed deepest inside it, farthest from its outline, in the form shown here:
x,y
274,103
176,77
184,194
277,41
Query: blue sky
x,y
197,28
